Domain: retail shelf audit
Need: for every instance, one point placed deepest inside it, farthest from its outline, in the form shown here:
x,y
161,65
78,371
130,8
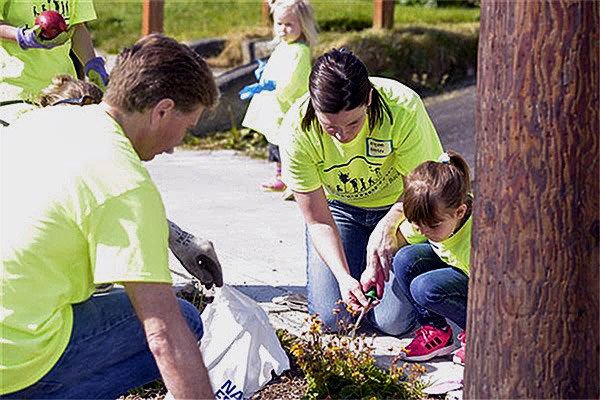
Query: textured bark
x,y
153,15
533,302
383,14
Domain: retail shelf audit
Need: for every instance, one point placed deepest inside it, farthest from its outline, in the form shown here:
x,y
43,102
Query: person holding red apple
x,y
36,37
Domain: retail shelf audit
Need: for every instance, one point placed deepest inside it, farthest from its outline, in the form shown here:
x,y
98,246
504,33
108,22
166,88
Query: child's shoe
x,y
429,342
276,185
459,355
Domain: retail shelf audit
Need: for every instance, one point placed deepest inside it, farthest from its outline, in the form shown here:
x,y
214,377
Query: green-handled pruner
x,y
371,297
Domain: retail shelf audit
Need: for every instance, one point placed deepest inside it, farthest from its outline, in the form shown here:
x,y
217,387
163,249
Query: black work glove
x,y
196,255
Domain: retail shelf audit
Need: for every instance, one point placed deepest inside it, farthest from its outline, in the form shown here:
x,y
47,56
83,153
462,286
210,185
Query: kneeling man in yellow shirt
x,y
78,208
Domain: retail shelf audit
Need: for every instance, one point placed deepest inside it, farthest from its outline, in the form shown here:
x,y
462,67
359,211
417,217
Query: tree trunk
x,y
533,323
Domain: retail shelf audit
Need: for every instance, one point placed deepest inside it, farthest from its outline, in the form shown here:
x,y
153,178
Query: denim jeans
x,y
355,225
435,289
107,354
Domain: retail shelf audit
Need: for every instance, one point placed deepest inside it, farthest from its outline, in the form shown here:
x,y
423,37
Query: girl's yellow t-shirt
x,y
454,251
289,67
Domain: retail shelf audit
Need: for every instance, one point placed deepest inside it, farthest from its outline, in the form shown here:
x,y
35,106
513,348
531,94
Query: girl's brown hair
x,y
65,87
435,187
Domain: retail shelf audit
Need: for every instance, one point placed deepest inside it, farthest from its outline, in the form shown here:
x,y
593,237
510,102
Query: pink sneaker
x,y
429,342
276,185
459,355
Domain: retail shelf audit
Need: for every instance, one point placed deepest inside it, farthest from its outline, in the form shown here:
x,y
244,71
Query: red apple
x,y
52,24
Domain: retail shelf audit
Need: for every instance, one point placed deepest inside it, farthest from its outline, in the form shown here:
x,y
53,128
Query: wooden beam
x,y
152,20
383,14
265,13
532,326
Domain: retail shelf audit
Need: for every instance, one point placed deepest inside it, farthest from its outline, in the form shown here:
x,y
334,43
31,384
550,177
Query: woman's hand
x,y
382,246
352,293
372,277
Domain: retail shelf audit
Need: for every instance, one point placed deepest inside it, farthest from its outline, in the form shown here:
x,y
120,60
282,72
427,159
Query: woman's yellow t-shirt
x,y
366,172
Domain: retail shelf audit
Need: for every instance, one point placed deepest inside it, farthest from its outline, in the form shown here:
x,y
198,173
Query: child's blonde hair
x,y
435,187
305,14
66,87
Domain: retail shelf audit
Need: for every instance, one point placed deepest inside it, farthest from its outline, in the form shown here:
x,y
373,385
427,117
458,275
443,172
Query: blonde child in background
x,y
284,78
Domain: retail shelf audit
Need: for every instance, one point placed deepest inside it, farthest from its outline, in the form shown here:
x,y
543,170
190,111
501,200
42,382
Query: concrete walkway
x,y
260,238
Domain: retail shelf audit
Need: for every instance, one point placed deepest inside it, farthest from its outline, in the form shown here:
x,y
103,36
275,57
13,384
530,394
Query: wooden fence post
x,y
383,14
152,20
265,13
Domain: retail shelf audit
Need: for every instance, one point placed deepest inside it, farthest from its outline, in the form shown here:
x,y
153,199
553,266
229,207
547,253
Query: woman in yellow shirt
x,y
345,150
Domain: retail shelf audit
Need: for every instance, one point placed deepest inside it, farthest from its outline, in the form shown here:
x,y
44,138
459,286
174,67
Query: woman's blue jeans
x,y
435,289
107,354
395,315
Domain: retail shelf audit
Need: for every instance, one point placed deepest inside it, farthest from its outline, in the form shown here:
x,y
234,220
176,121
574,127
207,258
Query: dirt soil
x,y
291,385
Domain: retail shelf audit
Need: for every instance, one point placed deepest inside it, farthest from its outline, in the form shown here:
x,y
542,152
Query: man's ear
x,y
161,110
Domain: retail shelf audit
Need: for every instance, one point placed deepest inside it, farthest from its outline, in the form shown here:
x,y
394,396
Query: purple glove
x,y
30,38
96,72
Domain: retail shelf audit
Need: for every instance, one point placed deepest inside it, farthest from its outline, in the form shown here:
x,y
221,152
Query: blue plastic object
x,y
248,91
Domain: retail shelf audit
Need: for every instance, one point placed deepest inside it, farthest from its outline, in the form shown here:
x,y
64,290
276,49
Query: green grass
x,y
119,21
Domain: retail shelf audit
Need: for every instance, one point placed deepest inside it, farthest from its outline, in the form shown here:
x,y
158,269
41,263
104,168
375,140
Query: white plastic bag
x,y
239,346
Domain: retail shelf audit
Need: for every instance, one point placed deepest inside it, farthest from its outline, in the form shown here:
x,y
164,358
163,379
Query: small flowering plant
x,y
340,367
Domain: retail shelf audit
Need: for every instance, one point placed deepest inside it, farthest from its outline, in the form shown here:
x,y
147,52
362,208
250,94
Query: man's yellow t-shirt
x,y
24,73
366,172
78,208
454,251
289,66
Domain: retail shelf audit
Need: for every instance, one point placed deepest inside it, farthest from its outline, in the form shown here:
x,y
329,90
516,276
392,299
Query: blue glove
x,y
248,91
31,39
96,72
258,72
